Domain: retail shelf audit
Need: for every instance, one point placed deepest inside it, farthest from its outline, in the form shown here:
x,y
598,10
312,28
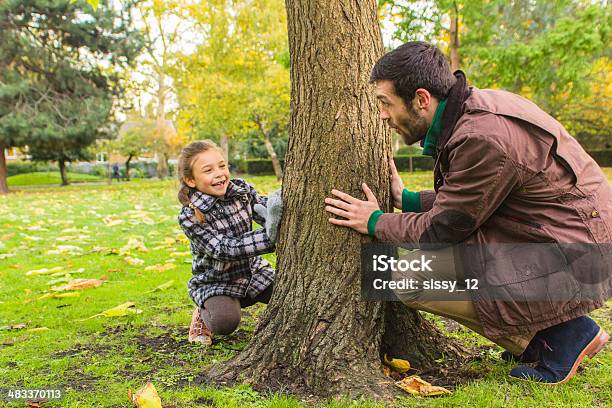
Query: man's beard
x,y
416,127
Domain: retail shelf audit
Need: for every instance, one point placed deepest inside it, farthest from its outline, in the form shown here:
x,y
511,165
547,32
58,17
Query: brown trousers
x,y
221,314
457,305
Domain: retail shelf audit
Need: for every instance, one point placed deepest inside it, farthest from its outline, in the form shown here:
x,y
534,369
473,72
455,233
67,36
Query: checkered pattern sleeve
x,y
255,199
207,241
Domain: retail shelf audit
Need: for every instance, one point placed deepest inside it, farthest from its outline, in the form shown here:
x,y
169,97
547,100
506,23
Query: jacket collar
x,y
429,143
205,202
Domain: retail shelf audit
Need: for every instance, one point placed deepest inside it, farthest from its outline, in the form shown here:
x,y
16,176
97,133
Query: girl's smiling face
x,y
210,173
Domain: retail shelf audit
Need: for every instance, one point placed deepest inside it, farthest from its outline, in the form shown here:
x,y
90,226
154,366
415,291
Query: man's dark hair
x,y
415,65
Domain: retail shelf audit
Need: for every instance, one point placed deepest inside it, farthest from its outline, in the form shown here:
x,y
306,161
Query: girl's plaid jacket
x,y
225,249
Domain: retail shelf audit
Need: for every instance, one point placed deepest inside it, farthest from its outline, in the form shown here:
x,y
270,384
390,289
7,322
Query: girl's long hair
x,y
185,171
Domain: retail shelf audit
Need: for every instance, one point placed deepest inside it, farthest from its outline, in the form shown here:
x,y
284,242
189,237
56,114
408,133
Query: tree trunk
x,y
317,336
224,145
3,171
455,61
162,161
127,167
278,171
62,168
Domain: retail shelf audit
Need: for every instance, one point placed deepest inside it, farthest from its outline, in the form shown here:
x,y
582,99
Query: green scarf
x,y
434,131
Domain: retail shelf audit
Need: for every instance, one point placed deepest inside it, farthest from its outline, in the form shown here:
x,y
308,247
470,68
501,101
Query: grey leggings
x,y
221,314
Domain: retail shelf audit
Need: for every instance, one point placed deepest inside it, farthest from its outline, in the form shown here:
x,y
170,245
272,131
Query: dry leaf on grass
x,y
121,310
146,397
133,244
17,326
38,329
186,253
133,261
65,250
111,222
160,267
417,386
401,366
59,295
163,286
44,271
77,284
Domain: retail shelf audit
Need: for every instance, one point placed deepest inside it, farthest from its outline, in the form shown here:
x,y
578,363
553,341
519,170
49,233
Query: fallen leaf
x,y
401,366
133,243
38,329
133,261
81,238
77,284
65,279
416,386
44,271
163,286
17,326
110,221
146,397
186,253
160,267
59,295
31,237
65,249
121,310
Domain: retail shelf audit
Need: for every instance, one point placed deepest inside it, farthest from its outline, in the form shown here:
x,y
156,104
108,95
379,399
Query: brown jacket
x,y
512,174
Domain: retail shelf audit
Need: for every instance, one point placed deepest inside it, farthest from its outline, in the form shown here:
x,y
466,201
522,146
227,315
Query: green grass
x,y
99,359
30,179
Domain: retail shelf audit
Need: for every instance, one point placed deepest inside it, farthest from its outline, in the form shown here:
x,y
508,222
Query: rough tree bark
x,y
3,171
278,172
62,169
160,124
455,60
127,166
317,335
224,145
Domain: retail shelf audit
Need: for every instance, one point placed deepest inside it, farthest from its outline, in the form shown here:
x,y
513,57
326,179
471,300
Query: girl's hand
x,y
272,213
397,185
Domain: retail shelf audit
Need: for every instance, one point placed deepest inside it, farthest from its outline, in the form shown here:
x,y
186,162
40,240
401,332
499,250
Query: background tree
x,y
133,139
553,52
59,75
237,80
317,335
163,27
269,105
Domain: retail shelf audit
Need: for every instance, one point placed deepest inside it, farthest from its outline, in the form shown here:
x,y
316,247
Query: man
x,y
505,172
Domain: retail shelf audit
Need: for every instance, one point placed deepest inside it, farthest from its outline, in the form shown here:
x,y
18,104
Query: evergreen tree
x,y
59,75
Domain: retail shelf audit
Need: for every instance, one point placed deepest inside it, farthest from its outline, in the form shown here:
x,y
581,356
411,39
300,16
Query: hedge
x,y
258,166
21,167
419,162
603,157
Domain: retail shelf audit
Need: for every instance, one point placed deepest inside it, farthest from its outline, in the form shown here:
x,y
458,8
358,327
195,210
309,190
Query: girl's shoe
x,y
198,332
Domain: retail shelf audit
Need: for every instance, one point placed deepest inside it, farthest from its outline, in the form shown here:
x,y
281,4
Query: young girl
x,y
217,216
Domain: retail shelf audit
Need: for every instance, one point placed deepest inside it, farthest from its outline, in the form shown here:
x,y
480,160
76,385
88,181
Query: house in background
x,y
16,153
